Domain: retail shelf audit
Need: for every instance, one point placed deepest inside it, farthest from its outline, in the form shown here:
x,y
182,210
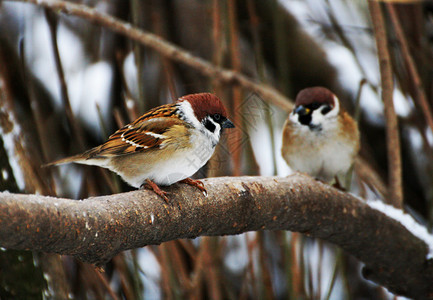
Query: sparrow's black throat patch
x,y
305,119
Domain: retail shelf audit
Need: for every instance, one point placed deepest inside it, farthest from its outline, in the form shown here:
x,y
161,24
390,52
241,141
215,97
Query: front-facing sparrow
x,y
319,137
167,144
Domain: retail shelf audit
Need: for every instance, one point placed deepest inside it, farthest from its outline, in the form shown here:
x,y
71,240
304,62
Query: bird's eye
x,y
217,117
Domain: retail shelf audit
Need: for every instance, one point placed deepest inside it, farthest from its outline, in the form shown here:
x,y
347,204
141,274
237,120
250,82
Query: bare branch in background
x,y
421,97
392,134
97,228
166,49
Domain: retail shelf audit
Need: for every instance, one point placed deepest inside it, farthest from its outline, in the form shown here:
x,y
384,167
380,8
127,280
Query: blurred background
x,y
66,85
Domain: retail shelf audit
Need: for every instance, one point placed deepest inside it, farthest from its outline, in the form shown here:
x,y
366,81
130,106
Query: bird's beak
x,y
228,124
302,111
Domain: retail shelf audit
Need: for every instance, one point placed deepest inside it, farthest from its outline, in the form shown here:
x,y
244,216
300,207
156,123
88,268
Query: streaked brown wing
x,y
144,134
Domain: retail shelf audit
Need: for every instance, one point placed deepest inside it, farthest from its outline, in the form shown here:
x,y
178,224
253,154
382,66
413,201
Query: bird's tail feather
x,y
79,158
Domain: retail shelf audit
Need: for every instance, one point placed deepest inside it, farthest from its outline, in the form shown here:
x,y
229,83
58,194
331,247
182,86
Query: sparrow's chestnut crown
x,y
315,97
207,104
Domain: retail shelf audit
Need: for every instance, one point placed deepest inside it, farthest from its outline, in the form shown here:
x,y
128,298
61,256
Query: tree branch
x,y
166,49
97,228
392,134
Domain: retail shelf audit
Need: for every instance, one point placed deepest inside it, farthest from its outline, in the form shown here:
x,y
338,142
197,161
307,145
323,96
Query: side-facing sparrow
x,y
319,137
167,144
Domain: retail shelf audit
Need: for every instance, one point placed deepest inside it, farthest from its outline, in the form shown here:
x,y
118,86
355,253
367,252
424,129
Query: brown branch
x,y
166,49
392,134
96,229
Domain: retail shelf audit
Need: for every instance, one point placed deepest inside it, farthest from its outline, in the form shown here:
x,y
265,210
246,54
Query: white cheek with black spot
x,y
320,119
211,129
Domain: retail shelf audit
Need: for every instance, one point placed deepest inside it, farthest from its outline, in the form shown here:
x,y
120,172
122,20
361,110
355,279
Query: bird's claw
x,y
154,187
197,183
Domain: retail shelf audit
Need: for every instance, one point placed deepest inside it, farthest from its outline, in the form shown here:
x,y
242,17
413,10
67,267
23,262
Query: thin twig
x,y
78,133
104,282
392,133
420,95
166,49
236,91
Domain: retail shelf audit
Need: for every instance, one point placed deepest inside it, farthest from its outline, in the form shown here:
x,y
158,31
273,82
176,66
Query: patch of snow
x,y
283,168
429,136
71,179
9,141
130,73
407,221
260,138
91,88
349,75
261,145
418,155
236,257
38,52
403,106
88,84
130,103
151,275
5,174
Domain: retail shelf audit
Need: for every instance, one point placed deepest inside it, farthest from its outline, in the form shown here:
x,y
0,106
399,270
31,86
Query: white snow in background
x,y
236,255
403,106
5,174
38,52
9,140
260,138
261,145
350,76
322,267
130,73
407,221
91,87
151,275
282,168
417,155
71,176
71,51
88,84
429,135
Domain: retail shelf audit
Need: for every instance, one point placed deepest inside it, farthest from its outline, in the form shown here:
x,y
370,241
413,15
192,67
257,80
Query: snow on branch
x,y
97,228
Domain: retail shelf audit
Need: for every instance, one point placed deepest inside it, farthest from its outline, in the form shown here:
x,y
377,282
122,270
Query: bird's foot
x,y
197,183
149,184
338,185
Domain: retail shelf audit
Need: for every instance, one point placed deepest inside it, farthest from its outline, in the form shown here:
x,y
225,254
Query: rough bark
x,y
97,228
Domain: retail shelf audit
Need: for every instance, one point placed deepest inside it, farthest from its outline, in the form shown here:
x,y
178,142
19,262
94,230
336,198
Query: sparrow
x,y
319,137
166,145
